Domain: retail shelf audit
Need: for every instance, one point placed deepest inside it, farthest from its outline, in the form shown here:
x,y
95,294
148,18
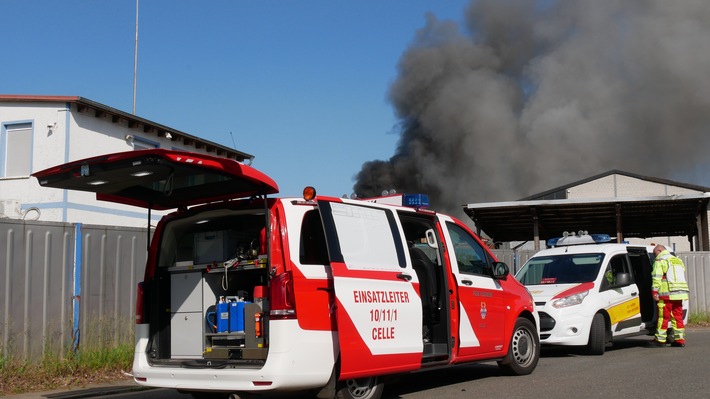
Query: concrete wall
x,y
624,186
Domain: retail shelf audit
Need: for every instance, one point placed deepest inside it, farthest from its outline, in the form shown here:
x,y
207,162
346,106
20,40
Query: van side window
x,y
313,250
470,255
363,236
617,265
415,231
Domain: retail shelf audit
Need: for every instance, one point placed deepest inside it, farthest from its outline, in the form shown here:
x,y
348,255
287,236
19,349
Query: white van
x,y
244,293
590,292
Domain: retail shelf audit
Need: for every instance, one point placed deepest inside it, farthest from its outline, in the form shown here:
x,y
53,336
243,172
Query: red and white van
x,y
244,293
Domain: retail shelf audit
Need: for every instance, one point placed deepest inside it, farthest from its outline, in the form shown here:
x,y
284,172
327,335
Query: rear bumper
x,y
297,359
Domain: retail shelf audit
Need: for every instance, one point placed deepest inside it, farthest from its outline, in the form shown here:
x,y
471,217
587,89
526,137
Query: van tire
x,y
360,388
524,349
597,336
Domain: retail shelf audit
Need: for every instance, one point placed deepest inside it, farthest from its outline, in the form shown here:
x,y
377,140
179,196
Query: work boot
x,y
677,344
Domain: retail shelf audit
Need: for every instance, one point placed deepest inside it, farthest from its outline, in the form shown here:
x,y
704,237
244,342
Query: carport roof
x,y
642,217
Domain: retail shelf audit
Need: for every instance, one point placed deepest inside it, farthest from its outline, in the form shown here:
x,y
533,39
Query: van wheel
x,y
597,336
360,388
524,350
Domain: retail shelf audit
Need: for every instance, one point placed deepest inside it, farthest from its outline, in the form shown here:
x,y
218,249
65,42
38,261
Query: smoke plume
x,y
530,95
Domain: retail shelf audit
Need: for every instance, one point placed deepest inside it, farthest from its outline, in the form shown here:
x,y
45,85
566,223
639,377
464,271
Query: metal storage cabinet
x,y
186,318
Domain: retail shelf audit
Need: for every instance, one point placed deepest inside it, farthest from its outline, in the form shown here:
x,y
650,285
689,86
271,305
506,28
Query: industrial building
x,y
627,206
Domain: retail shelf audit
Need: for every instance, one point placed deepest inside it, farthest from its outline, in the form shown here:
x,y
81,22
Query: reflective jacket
x,y
668,277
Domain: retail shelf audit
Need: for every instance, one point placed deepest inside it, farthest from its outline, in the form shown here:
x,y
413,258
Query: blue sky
x,y
302,85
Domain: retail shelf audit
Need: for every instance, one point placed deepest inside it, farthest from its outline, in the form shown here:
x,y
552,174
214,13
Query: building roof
x,y
642,217
545,194
146,126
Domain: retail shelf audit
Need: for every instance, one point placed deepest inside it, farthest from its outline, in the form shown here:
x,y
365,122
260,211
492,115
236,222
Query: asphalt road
x,y
628,370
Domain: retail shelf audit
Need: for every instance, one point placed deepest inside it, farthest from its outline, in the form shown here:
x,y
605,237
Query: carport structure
x,y
640,217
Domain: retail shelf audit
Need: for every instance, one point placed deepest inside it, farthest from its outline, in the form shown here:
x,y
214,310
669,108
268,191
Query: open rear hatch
x,y
205,294
159,179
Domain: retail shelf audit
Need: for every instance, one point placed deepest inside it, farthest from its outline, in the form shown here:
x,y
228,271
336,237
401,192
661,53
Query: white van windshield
x,y
561,269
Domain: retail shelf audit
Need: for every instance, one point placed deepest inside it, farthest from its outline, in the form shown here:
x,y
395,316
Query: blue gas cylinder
x,y
222,317
236,316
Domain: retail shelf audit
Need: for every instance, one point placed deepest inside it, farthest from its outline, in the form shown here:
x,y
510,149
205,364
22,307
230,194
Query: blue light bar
x,y
553,241
415,200
600,238
578,240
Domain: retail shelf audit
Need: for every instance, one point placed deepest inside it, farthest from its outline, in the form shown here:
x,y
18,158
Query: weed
x,y
700,319
81,368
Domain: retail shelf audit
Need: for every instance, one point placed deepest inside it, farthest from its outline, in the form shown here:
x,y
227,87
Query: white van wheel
x,y
524,350
360,388
597,336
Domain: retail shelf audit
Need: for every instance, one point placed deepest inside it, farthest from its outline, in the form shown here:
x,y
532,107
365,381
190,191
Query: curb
x,y
84,392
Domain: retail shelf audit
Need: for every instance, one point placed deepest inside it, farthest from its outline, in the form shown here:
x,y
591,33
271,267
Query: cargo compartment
x,y
214,266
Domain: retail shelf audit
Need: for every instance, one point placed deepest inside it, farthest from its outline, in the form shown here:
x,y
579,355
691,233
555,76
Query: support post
x,y
536,229
703,239
76,297
619,227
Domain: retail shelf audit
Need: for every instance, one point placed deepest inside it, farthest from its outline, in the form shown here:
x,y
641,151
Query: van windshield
x,y
561,269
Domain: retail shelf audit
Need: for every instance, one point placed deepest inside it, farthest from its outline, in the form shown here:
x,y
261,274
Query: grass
x,y
76,370
698,319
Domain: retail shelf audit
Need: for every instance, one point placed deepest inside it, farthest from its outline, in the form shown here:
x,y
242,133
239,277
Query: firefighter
x,y
670,289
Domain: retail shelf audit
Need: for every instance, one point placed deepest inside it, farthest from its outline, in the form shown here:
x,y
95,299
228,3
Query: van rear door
x,y
379,313
159,179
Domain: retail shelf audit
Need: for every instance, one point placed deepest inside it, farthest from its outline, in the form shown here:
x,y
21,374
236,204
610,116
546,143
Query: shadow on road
x,y
434,379
569,351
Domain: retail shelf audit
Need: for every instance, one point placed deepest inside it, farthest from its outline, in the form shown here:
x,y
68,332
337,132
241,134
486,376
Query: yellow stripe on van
x,y
624,310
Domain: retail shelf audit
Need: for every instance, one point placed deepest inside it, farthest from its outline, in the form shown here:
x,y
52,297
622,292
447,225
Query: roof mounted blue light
x,y
418,201
415,200
573,239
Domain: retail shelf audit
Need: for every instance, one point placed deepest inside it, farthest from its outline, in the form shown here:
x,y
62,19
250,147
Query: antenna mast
x,y
135,62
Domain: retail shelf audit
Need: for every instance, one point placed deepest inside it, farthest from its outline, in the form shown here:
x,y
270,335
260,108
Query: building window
x,y
17,150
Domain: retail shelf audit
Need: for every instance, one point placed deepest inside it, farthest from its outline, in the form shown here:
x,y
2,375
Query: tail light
x,y
139,304
282,303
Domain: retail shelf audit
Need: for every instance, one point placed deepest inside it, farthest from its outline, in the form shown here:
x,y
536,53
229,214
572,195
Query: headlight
x,y
571,300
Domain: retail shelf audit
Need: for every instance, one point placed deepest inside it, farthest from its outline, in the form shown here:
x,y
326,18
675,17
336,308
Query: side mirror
x,y
500,270
622,280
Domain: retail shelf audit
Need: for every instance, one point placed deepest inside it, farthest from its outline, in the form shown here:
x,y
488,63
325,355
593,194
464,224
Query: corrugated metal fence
x,y
45,313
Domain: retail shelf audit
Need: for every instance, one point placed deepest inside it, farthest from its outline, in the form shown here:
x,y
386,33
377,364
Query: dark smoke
x,y
533,95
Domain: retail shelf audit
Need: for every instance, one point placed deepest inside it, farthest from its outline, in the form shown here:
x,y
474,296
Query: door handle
x,y
634,293
466,282
404,276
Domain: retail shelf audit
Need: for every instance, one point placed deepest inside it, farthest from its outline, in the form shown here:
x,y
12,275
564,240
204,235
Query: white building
x,y
38,132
